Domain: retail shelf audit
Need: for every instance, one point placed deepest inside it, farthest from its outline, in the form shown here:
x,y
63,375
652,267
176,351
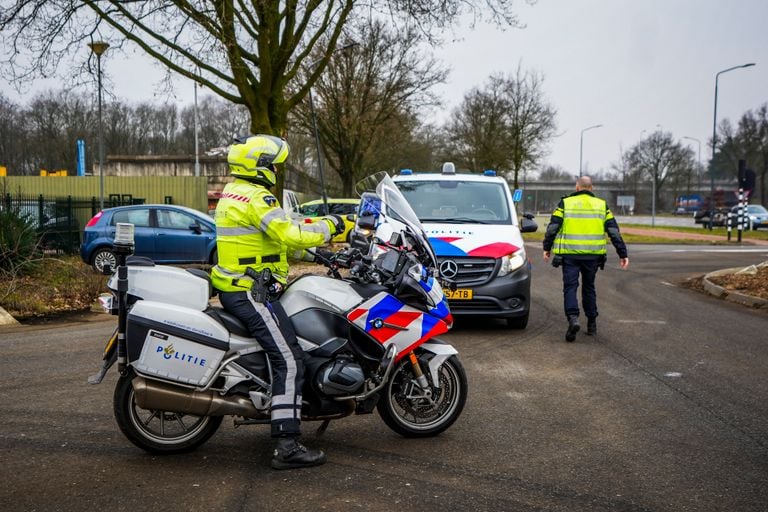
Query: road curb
x,y
6,318
732,296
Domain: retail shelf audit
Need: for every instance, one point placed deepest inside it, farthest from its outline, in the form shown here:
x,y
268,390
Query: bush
x,y
19,242
58,285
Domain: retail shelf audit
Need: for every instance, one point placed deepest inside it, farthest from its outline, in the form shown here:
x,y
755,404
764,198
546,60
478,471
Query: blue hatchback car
x,y
165,233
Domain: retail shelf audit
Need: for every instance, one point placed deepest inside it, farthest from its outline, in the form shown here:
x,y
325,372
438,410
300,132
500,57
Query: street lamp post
x,y
98,48
581,145
698,169
317,133
197,152
714,146
319,155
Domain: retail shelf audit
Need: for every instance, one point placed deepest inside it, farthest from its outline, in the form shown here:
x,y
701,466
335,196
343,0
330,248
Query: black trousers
x,y
269,324
587,269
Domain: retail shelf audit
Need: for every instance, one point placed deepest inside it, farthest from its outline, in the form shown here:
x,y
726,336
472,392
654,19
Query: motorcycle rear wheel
x,y
411,416
159,432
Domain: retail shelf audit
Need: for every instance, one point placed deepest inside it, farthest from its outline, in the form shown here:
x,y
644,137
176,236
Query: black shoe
x,y
573,328
291,454
591,326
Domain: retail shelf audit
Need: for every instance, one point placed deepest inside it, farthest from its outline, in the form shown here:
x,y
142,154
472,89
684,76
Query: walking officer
x,y
254,238
576,234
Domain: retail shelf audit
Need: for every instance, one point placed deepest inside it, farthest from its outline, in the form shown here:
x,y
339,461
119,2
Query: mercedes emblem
x,y
449,269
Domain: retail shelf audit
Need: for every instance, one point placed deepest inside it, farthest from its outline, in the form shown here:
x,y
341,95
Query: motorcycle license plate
x,y
459,294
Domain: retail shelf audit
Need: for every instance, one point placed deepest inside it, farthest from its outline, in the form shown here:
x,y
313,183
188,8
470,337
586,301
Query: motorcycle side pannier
x,y
169,342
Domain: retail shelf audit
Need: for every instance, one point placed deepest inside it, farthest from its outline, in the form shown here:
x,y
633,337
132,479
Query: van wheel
x,y
518,322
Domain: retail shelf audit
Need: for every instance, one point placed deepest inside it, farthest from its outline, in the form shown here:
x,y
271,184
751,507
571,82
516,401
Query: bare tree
x,y
504,126
748,141
555,173
659,158
249,52
367,100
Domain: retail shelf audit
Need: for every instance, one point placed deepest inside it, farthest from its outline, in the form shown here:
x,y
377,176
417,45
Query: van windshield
x,y
459,202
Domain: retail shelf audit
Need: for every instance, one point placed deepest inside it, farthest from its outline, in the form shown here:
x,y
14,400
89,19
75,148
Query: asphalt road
x,y
664,410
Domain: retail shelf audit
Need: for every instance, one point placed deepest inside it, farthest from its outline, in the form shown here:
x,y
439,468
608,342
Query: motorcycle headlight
x,y
512,262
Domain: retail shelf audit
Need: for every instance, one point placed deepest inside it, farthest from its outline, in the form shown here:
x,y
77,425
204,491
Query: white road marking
x,y
673,375
657,322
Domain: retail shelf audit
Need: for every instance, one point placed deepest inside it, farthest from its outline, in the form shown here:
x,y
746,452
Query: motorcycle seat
x,y
228,320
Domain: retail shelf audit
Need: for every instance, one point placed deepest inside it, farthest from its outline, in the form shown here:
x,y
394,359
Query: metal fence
x,y
60,221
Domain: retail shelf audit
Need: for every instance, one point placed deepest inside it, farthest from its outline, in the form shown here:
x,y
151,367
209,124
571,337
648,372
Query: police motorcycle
x,y
370,340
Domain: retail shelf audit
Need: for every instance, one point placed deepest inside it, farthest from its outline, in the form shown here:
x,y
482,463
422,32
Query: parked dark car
x,y
163,233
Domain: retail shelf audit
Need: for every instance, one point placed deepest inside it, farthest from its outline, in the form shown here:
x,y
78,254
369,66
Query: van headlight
x,y
512,262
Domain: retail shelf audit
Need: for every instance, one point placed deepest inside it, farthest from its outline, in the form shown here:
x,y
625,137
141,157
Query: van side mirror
x,y
528,225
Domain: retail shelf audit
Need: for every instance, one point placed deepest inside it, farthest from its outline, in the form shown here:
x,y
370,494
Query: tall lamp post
x,y
197,152
714,146
98,48
581,145
319,155
698,169
317,133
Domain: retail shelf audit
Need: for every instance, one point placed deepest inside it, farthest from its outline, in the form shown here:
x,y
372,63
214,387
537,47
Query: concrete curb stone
x,y
6,318
732,296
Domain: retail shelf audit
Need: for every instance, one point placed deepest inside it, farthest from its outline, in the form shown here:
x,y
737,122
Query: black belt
x,y
271,258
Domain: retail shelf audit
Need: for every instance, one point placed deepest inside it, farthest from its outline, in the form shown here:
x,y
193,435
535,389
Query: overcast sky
x,y
627,64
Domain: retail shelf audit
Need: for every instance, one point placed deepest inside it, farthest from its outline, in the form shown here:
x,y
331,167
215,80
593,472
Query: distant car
x,y
163,233
345,208
755,216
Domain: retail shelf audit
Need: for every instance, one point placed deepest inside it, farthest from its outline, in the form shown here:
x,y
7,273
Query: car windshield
x,y
756,208
457,201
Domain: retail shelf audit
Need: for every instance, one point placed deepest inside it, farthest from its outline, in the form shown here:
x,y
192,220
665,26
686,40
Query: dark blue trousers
x,y
269,324
586,268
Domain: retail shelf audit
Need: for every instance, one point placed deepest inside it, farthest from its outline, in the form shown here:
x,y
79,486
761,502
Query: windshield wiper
x,y
454,220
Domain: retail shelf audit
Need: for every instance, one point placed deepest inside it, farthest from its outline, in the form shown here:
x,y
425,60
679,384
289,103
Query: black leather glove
x,y
338,223
322,255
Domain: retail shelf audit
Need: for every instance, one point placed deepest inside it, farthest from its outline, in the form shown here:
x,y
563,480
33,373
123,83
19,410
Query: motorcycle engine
x,y
340,377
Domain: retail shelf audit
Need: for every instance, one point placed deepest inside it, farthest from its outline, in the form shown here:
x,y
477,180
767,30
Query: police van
x,y
475,231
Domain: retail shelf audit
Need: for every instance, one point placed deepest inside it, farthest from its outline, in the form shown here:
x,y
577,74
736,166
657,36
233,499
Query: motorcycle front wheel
x,y
406,410
159,432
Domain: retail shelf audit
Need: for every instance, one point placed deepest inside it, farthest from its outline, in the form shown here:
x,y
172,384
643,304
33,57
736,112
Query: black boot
x,y
291,454
573,328
592,326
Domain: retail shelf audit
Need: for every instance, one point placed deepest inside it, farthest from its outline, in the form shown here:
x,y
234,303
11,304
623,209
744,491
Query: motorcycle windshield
x,y
394,206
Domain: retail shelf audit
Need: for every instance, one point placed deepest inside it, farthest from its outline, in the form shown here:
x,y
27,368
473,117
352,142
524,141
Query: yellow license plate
x,y
459,294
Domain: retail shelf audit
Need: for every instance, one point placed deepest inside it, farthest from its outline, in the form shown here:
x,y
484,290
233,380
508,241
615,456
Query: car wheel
x,y
214,257
102,258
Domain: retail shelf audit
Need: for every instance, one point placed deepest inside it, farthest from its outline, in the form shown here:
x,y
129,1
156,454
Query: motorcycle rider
x,y
254,232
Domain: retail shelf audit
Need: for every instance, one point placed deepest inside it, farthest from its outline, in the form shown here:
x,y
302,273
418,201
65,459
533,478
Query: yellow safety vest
x,y
252,230
583,228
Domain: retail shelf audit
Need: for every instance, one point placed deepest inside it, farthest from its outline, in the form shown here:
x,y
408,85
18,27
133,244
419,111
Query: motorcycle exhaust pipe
x,y
160,396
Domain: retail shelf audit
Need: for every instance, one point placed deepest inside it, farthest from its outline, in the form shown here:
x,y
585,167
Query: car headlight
x,y
512,262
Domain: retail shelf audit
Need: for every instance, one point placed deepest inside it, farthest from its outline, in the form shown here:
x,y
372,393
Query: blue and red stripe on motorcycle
x,y
387,320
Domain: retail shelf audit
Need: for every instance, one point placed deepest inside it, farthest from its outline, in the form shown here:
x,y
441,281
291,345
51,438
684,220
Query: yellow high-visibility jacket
x,y
583,225
252,230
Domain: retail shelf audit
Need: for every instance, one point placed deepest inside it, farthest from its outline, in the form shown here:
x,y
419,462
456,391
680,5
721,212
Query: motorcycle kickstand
x,y
322,428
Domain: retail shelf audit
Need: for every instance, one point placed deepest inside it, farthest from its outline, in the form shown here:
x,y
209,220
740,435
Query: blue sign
x,y
518,195
80,157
